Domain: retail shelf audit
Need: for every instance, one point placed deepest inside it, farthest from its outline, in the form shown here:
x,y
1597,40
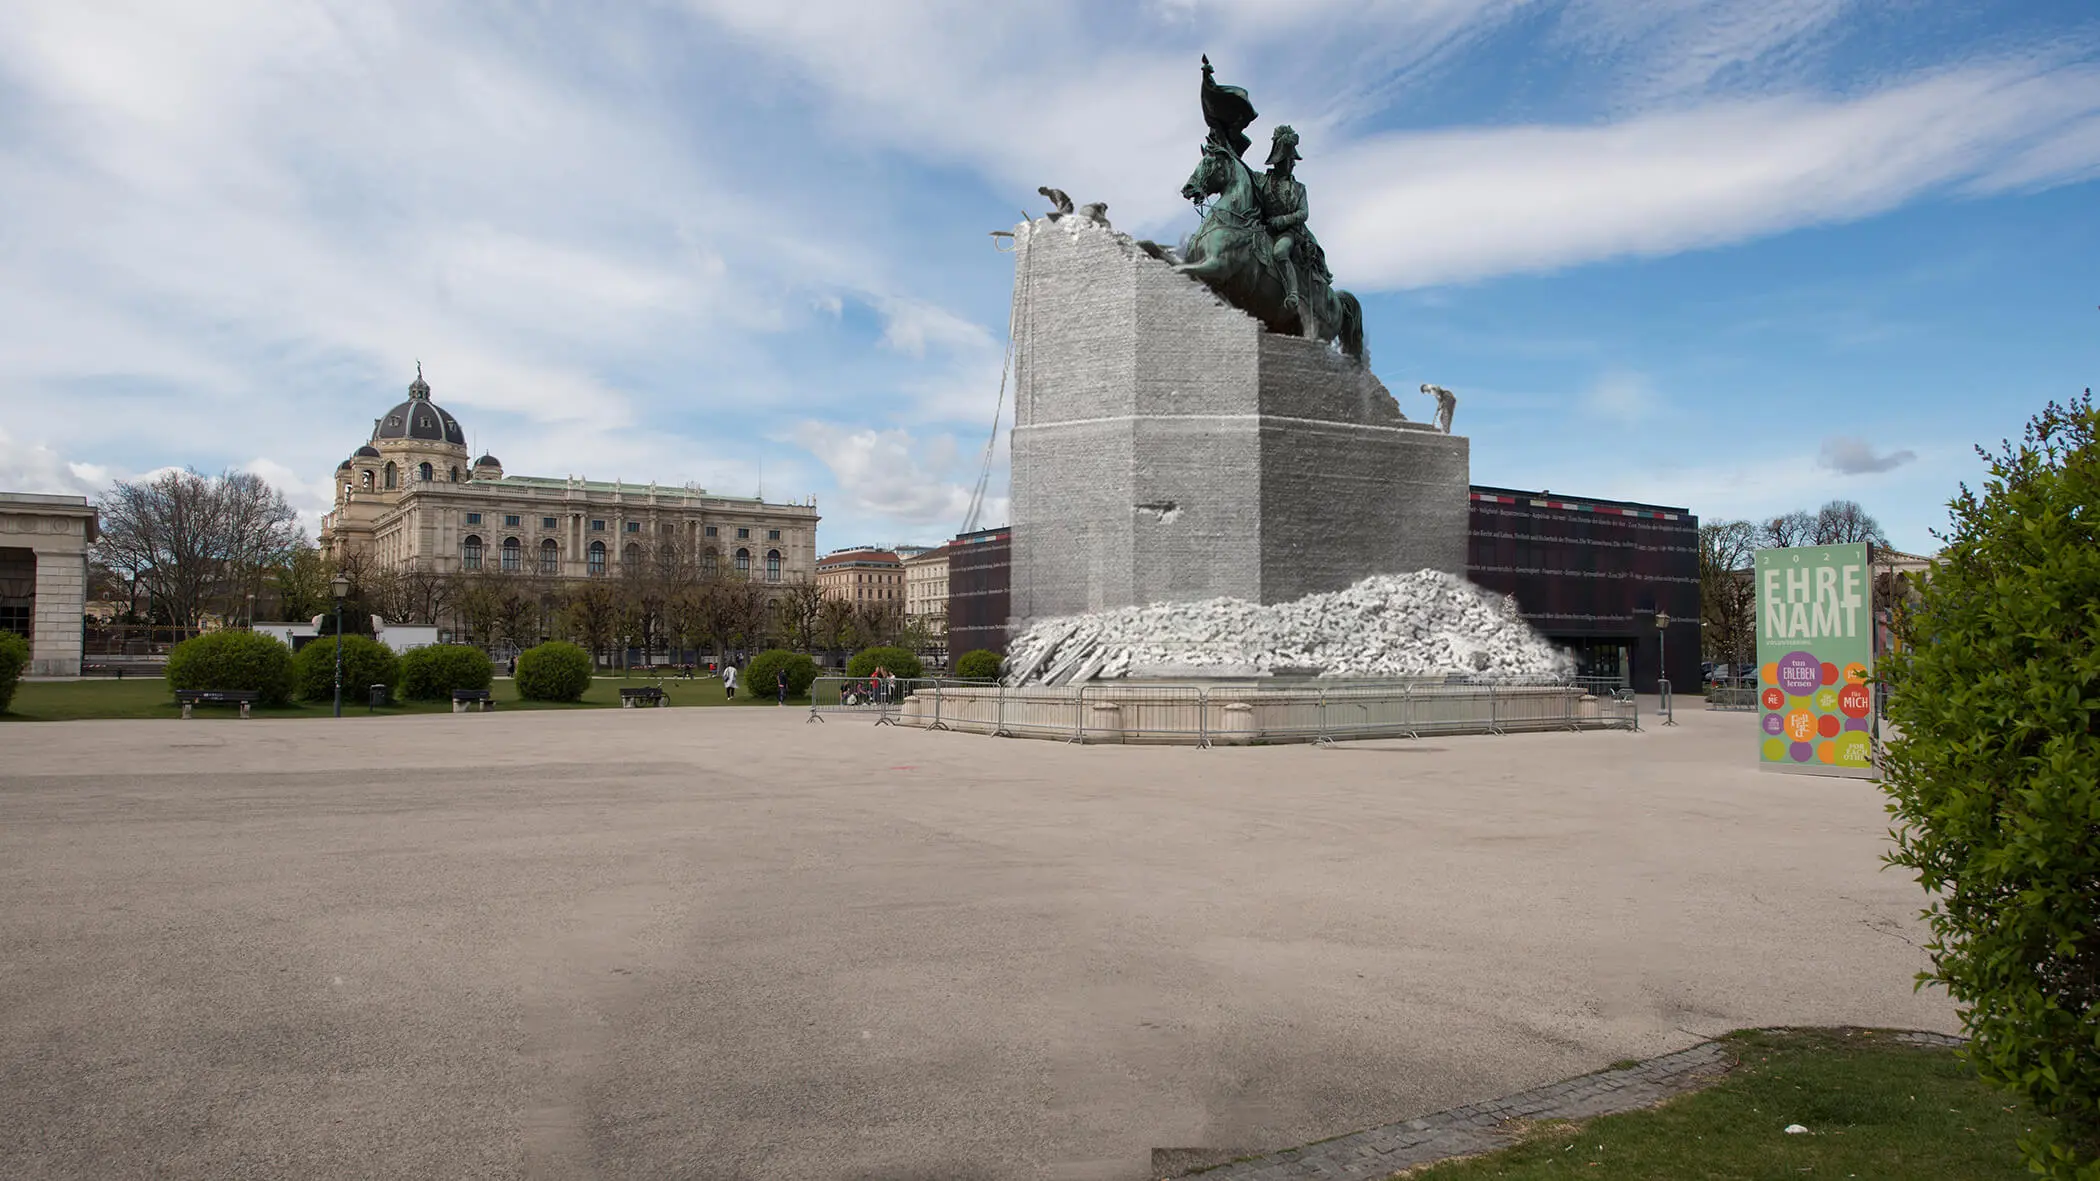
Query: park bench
x,y
464,700
191,697
630,698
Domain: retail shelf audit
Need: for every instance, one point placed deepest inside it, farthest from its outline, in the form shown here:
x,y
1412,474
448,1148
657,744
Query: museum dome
x,y
343,466
488,461
420,418
367,452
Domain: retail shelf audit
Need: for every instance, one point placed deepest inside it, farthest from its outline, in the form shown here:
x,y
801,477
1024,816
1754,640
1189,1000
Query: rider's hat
x,y
1284,140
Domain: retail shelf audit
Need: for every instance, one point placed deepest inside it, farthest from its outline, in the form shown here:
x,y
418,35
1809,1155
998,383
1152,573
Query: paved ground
x,y
721,943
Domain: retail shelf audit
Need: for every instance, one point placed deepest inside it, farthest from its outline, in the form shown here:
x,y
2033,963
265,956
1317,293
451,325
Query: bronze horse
x,y
1231,253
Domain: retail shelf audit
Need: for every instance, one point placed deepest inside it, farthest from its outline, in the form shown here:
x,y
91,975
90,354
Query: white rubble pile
x,y
1390,625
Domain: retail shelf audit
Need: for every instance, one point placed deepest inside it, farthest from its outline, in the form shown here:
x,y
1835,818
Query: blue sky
x,y
1742,257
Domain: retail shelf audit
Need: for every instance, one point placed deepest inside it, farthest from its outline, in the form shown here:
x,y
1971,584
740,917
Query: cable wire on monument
x,y
971,518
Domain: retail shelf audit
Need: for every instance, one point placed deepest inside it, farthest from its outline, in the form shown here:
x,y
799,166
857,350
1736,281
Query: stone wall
x,y
58,530
1166,448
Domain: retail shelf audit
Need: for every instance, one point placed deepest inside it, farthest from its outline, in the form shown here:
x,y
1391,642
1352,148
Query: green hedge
x,y
432,672
980,665
900,663
366,662
1995,775
14,657
554,671
758,679
233,660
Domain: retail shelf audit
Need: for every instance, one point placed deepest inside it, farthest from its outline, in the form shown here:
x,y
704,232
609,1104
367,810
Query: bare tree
x,y
1842,522
196,542
1728,590
801,606
592,616
302,583
836,627
1795,528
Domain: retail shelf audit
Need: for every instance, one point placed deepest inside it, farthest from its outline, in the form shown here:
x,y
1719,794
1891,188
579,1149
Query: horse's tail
x,y
1353,329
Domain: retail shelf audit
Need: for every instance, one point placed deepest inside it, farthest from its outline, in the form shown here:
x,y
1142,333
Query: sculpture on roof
x,y
1254,246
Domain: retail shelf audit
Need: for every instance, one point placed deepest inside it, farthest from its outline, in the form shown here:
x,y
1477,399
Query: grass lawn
x,y
148,697
1873,1107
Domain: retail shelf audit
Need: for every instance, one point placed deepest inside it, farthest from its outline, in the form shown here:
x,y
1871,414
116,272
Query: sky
x,y
1735,257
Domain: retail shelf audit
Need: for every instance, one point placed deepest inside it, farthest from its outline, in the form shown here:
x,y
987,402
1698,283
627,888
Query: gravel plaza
x,y
727,943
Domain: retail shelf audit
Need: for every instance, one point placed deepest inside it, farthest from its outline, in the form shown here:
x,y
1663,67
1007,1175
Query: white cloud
x,y
1621,397
35,467
895,476
1412,210
1849,456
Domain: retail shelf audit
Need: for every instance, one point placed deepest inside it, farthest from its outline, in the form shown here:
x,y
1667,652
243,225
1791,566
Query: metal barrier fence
x,y
1205,715
1732,693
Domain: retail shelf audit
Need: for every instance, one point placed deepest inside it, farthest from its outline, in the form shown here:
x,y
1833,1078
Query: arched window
x,y
368,479
743,562
423,473
455,473
710,563
390,473
550,557
470,552
631,556
595,558
772,565
512,552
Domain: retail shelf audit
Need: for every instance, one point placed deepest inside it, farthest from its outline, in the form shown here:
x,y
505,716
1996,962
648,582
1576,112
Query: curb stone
x,y
1377,1153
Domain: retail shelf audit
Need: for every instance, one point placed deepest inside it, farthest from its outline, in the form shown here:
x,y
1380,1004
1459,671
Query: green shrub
x,y
980,665
432,672
554,671
897,660
366,662
758,677
14,657
1995,779
233,660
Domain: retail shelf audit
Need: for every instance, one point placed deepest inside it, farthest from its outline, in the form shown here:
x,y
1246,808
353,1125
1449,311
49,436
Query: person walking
x,y
780,683
729,681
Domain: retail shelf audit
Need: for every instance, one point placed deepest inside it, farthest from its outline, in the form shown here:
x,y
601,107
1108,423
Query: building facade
x,y
980,586
410,498
926,596
43,576
863,576
1593,576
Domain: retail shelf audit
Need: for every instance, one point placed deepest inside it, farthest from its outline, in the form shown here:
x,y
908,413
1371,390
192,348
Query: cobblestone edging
x,y
1484,1127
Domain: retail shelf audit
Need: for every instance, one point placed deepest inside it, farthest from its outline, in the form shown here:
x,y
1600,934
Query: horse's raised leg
x,y
1216,266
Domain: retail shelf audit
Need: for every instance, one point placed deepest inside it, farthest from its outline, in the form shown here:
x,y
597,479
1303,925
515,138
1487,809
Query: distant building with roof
x,y
410,498
862,575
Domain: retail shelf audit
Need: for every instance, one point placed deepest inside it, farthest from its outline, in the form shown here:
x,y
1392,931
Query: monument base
x,y
1168,448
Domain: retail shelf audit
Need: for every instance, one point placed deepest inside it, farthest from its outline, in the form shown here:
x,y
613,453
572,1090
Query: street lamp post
x,y
1662,657
341,586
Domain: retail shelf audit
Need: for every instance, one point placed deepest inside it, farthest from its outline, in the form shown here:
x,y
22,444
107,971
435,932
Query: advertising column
x,y
1815,651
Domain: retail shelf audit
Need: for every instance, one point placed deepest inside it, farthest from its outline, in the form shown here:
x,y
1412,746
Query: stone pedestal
x,y
1166,447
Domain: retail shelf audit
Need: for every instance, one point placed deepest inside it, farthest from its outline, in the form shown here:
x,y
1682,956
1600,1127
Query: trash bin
x,y
378,697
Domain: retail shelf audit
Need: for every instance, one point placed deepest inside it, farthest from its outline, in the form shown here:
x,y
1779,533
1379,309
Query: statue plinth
x,y
1167,448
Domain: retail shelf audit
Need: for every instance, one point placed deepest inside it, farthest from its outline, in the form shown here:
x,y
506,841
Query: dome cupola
x,y
419,418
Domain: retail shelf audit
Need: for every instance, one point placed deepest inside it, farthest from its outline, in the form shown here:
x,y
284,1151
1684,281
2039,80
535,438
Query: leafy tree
x,y
236,660
14,657
432,672
1995,773
553,671
980,665
592,616
195,542
759,676
897,660
302,581
366,662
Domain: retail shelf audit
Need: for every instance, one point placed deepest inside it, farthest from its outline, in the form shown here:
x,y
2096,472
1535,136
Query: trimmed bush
x,y
980,665
758,678
1995,779
897,660
554,671
432,672
14,657
366,662
233,660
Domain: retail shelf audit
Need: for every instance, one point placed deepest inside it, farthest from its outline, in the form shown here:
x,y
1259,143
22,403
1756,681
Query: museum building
x,y
410,498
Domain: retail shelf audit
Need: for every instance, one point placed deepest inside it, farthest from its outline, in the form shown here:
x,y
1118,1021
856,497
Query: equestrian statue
x,y
1254,247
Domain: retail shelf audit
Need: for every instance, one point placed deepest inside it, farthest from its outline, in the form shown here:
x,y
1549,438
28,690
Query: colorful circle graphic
x,y
1829,672
1802,752
1775,750
1855,673
1827,752
1773,698
1801,726
1855,700
1800,673
1769,674
1828,725
1774,724
1826,699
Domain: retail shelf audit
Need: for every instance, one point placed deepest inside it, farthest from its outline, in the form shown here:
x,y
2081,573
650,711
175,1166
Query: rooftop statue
x,y
1254,247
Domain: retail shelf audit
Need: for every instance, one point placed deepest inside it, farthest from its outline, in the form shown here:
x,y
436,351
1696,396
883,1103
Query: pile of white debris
x,y
1391,625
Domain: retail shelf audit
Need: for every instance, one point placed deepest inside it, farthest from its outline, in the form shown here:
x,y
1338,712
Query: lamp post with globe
x,y
1662,679
341,586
